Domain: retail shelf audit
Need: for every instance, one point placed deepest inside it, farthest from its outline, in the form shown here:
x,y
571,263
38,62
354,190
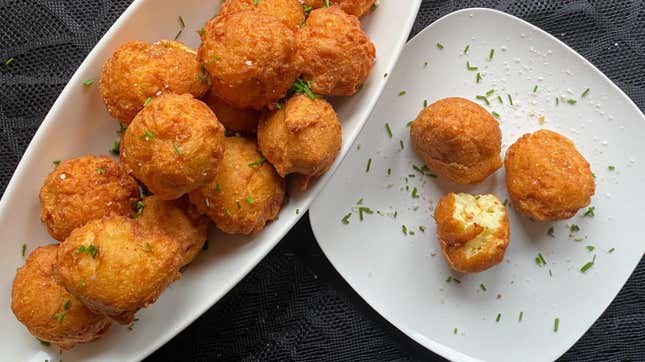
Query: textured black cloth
x,y
294,305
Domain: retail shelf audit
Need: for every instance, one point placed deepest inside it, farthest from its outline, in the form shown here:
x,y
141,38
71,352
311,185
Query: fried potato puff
x,y
290,12
251,58
246,192
457,139
337,55
177,219
473,231
303,137
352,7
234,119
116,267
84,189
547,178
173,145
138,71
48,311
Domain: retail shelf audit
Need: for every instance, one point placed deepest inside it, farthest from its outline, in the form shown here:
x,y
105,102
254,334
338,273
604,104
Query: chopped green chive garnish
x,y
482,286
402,93
491,54
177,149
571,101
422,228
138,207
258,163
404,229
440,46
179,34
369,164
505,202
89,249
585,93
181,22
535,89
148,100
201,31
116,147
454,331
385,75
388,130
409,124
250,200
466,49
519,319
590,247
401,143
415,195
360,201
297,211
510,99
499,316
24,249
100,171
611,250
228,212
551,232
147,135
56,162
490,92
148,246
218,188
611,168
302,87
425,64
121,129
9,61
425,103
557,101
591,212
470,67
326,3
389,171
362,210
44,343
255,2
588,265
237,203
556,324
539,260
574,228
495,114
88,82
478,78
499,99
483,98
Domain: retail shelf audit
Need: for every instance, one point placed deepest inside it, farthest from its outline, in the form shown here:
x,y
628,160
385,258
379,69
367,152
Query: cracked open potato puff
x,y
245,194
337,55
251,57
116,267
304,136
547,178
352,7
138,71
173,145
473,231
48,311
457,139
83,189
290,12
177,219
234,119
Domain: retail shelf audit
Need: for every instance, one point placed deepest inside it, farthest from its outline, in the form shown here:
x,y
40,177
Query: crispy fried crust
x,y
66,203
352,7
177,219
304,136
234,119
469,243
246,193
337,55
48,311
173,145
547,178
251,58
130,267
290,12
457,139
138,70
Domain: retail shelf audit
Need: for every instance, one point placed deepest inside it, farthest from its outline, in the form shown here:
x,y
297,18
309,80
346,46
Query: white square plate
x,y
78,124
404,277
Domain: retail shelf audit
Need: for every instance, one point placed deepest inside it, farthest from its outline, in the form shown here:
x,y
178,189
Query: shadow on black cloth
x,y
294,305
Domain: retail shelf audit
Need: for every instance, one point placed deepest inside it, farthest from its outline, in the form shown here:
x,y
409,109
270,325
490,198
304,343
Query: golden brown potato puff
x,y
457,139
138,71
303,137
177,219
337,55
251,58
473,231
246,193
290,12
173,145
547,178
84,189
115,267
234,119
48,311
352,7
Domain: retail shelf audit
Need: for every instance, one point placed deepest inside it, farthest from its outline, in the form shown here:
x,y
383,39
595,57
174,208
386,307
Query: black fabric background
x,y
294,305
